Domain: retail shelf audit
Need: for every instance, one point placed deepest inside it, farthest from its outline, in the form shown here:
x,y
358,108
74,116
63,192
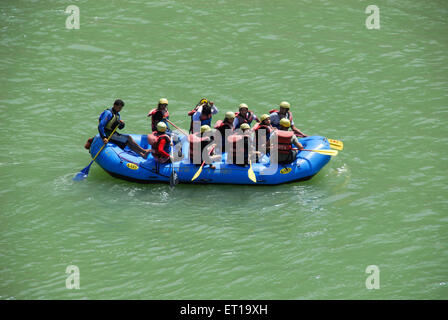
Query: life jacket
x,y
284,141
238,147
197,145
156,120
247,119
287,116
221,125
113,122
256,129
154,140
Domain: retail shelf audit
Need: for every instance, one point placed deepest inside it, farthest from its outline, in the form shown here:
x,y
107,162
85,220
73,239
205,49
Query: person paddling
x,y
284,112
285,140
244,115
160,114
224,126
160,143
108,120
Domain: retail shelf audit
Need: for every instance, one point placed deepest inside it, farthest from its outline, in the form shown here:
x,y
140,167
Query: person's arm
x,y
214,108
106,117
235,122
296,142
120,123
161,150
197,114
297,131
256,118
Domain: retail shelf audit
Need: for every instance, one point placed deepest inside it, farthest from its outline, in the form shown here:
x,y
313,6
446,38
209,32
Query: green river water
x,y
382,201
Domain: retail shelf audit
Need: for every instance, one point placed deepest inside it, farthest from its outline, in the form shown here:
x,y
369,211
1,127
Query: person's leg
x,y
135,147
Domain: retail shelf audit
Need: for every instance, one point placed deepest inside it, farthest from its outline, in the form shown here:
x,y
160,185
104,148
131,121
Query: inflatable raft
x,y
128,165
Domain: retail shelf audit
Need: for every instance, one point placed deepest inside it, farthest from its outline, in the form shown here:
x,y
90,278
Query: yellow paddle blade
x,y
197,174
336,144
326,152
336,147
251,173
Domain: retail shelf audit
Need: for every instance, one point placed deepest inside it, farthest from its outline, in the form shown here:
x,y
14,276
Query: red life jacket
x,y
284,141
154,140
288,114
221,125
238,147
247,119
259,126
154,121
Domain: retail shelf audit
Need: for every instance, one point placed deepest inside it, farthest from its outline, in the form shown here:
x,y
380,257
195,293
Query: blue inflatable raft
x,y
128,165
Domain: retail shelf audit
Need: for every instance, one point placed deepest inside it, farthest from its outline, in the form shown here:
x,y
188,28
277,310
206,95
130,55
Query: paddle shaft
x,y
110,136
183,132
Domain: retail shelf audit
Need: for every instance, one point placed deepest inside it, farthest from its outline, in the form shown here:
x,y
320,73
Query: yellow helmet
x,y
230,115
245,126
163,101
203,101
243,105
161,127
285,123
205,128
285,104
264,117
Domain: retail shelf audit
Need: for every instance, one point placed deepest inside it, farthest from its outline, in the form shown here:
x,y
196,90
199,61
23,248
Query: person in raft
x,y
241,151
244,115
108,120
225,125
200,142
286,138
202,115
160,143
284,112
262,134
160,114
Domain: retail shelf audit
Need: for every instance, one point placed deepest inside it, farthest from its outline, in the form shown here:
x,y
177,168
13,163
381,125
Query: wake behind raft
x,y
126,164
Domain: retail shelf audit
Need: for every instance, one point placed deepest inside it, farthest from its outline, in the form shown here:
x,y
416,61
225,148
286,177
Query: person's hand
x,y
211,103
121,121
104,140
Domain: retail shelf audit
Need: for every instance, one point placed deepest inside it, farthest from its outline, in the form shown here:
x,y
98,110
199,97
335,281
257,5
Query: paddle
x,y
173,178
200,168
81,175
176,127
325,152
251,173
336,144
